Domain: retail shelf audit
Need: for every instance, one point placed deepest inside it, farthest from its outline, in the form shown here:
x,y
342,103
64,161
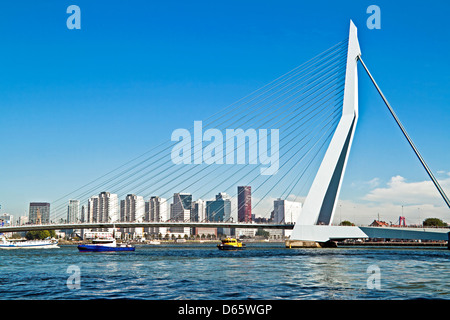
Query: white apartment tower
x,y
132,209
73,211
286,212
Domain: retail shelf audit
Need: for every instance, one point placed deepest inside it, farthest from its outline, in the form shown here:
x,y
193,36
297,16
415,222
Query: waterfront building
x,y
158,212
108,207
83,215
23,220
39,213
286,211
103,208
180,210
73,211
132,209
219,210
205,232
245,232
245,204
6,219
198,212
92,209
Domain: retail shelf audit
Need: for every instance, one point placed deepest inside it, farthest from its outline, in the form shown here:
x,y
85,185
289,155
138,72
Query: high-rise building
x,y
158,212
286,212
73,211
198,212
83,216
92,213
108,207
219,209
245,204
180,210
39,213
132,209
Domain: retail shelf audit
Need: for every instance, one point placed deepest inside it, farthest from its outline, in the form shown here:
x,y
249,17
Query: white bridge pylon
x,y
314,222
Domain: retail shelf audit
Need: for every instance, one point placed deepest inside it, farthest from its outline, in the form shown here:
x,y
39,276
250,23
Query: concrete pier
x,y
292,244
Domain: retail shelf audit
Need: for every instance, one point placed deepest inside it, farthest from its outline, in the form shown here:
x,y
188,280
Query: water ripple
x,y
203,272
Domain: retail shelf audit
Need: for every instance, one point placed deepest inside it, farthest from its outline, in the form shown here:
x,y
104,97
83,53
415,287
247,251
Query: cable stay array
x,y
289,121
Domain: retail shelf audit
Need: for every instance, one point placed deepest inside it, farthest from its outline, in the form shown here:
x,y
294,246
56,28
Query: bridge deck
x,y
145,225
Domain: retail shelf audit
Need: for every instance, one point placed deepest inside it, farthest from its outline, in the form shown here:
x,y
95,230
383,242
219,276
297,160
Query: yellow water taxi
x,y
231,244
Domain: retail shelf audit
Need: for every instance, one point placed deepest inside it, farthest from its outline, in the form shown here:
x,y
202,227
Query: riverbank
x,y
394,244
166,242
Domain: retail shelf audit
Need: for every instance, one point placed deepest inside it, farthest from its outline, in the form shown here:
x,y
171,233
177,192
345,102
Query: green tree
x,y
434,222
262,233
346,223
40,234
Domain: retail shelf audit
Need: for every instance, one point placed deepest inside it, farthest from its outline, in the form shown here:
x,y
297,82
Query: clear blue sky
x,y
77,103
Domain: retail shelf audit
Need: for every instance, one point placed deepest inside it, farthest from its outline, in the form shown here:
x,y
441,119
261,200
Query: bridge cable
x,y
416,151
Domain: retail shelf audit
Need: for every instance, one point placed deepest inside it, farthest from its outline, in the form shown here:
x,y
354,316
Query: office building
x,y
39,213
180,210
158,212
6,219
219,210
245,204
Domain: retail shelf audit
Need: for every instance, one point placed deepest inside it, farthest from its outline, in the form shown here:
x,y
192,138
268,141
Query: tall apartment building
x,y
132,209
39,213
92,211
73,211
108,207
245,204
103,208
158,211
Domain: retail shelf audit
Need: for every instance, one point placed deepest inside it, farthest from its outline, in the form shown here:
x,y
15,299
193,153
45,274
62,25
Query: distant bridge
x,y
98,225
334,233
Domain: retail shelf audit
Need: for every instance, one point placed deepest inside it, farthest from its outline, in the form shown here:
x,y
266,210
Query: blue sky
x,y
78,103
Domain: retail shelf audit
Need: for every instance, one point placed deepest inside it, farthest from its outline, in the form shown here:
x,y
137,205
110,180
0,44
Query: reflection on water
x,y
262,271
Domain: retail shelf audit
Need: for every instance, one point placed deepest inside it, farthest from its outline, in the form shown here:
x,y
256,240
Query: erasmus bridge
x,y
315,109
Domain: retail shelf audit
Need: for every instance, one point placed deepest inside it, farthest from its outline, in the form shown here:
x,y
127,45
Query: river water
x,y
201,272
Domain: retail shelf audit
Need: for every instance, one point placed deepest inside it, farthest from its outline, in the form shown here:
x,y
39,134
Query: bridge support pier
x,y
292,244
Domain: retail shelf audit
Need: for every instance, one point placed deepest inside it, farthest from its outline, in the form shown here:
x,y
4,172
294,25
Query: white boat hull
x,y
29,245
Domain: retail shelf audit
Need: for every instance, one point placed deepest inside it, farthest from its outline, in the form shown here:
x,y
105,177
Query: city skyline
x,y
172,76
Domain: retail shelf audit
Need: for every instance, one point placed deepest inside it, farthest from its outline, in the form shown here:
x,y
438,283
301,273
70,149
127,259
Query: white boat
x,y
28,244
154,242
